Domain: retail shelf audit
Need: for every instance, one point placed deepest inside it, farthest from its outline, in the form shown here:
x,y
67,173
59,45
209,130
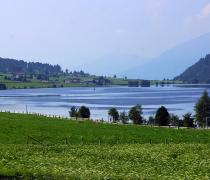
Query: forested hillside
x,y
20,66
197,73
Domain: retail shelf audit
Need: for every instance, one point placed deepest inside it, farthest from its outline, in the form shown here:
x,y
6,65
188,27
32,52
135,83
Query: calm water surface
x,y
178,99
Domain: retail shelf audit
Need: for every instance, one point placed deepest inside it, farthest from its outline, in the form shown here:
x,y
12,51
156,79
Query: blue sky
x,y
76,32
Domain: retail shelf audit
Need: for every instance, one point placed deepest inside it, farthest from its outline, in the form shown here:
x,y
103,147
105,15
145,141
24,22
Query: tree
x,y
162,117
202,109
174,120
84,112
114,114
135,114
188,120
124,117
73,112
151,120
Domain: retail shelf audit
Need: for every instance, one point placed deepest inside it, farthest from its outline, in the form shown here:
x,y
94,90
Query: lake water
x,y
179,99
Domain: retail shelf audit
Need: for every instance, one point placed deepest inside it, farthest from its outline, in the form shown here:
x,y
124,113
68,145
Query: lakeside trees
x,y
135,114
73,112
162,117
82,112
188,120
124,117
202,109
114,114
174,120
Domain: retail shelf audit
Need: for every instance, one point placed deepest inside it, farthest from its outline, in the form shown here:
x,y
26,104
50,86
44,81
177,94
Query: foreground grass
x,y
158,161
15,129
99,151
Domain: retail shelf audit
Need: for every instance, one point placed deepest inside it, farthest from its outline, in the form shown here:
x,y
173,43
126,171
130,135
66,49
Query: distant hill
x,y
197,73
172,62
20,66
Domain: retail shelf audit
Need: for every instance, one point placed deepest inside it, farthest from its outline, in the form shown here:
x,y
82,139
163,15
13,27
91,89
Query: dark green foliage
x,y
84,112
73,112
181,123
202,109
43,77
124,117
174,120
3,87
16,66
162,117
133,83
79,74
151,120
135,114
114,114
101,81
188,120
198,73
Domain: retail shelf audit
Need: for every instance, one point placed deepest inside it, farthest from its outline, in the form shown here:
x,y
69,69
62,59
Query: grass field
x,y
99,151
56,82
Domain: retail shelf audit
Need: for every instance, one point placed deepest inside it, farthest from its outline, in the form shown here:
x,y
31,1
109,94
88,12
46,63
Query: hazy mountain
x,y
113,64
174,61
197,73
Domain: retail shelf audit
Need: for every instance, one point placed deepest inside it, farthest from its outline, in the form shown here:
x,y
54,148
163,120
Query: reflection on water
x,y
179,99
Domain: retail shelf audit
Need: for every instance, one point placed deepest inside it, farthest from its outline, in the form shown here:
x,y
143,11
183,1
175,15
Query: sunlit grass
x,y
98,151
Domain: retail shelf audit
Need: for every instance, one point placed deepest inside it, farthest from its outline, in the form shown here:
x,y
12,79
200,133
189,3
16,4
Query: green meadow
x,y
37,147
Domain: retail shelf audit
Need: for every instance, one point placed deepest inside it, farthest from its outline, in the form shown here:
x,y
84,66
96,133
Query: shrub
x,y
84,112
188,120
135,114
124,117
162,116
114,114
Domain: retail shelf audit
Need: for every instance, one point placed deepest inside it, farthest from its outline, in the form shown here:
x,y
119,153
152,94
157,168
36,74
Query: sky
x,y
73,33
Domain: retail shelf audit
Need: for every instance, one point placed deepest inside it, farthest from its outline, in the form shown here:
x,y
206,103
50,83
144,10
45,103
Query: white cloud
x,y
205,12
202,14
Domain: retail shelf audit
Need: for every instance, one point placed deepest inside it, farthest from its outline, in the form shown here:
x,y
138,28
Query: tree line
x,y
161,118
20,66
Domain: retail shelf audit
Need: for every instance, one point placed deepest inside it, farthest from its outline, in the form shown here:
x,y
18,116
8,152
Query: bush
x,y
114,114
124,117
174,120
162,117
73,112
135,114
151,120
188,120
84,112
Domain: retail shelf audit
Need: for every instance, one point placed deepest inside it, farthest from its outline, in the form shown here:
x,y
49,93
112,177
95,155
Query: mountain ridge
x,y
197,73
8,65
173,61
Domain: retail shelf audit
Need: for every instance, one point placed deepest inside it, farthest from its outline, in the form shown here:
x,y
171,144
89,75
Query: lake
x,y
179,99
